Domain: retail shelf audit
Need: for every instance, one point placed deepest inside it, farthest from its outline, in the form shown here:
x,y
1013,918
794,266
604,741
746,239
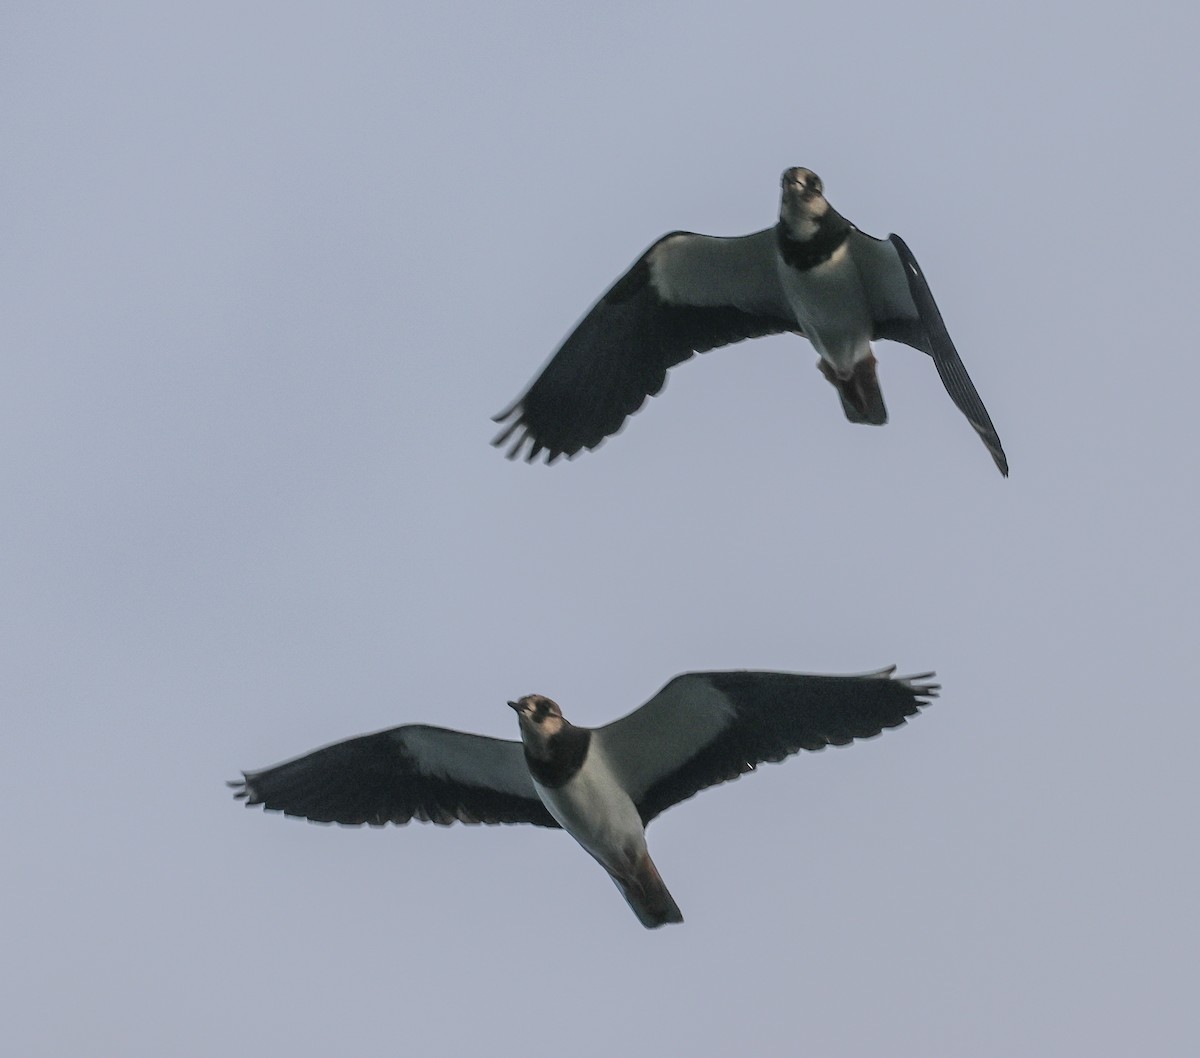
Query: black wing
x,y
686,294
412,772
706,728
930,336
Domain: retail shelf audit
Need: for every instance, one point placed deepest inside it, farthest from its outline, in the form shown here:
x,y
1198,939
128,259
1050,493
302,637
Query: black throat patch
x,y
803,254
565,754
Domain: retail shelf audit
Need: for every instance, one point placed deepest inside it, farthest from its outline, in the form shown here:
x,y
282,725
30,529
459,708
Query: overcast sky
x,y
267,270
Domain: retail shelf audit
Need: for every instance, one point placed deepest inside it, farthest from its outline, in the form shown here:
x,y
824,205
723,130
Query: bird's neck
x,y
804,253
555,760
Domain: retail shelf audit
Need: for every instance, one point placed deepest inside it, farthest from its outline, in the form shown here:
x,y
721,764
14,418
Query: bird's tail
x,y
645,892
862,399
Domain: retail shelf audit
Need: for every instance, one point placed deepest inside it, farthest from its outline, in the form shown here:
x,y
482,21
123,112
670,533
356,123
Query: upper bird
x,y
601,785
813,274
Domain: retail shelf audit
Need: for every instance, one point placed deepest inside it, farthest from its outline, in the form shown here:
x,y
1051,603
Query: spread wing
x,y
705,728
412,772
904,311
688,293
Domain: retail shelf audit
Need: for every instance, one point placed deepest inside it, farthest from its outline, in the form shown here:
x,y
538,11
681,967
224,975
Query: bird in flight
x,y
601,785
813,274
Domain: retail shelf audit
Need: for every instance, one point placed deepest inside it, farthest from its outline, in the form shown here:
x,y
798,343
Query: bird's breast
x,y
831,307
597,812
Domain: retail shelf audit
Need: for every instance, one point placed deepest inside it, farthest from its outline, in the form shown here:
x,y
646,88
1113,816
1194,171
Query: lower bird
x,y
813,274
601,785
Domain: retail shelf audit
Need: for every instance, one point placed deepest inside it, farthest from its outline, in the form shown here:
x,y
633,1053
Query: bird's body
x,y
831,309
596,811
817,274
602,785
584,794
812,274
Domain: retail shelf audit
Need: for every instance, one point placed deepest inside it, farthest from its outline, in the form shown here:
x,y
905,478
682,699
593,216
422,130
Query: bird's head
x,y
540,717
803,203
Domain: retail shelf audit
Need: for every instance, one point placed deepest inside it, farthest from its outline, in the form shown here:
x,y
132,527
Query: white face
x,y
540,718
803,203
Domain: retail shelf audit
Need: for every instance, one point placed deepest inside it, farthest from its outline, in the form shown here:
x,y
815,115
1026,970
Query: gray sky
x,y
266,272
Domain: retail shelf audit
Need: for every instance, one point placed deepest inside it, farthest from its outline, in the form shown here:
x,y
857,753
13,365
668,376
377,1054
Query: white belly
x,y
598,814
831,308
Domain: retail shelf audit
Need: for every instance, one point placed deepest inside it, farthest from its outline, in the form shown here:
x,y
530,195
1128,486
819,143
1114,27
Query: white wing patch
x,y
665,733
710,272
488,763
883,277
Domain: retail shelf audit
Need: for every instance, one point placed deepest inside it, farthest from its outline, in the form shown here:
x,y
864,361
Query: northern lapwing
x,y
813,274
602,785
